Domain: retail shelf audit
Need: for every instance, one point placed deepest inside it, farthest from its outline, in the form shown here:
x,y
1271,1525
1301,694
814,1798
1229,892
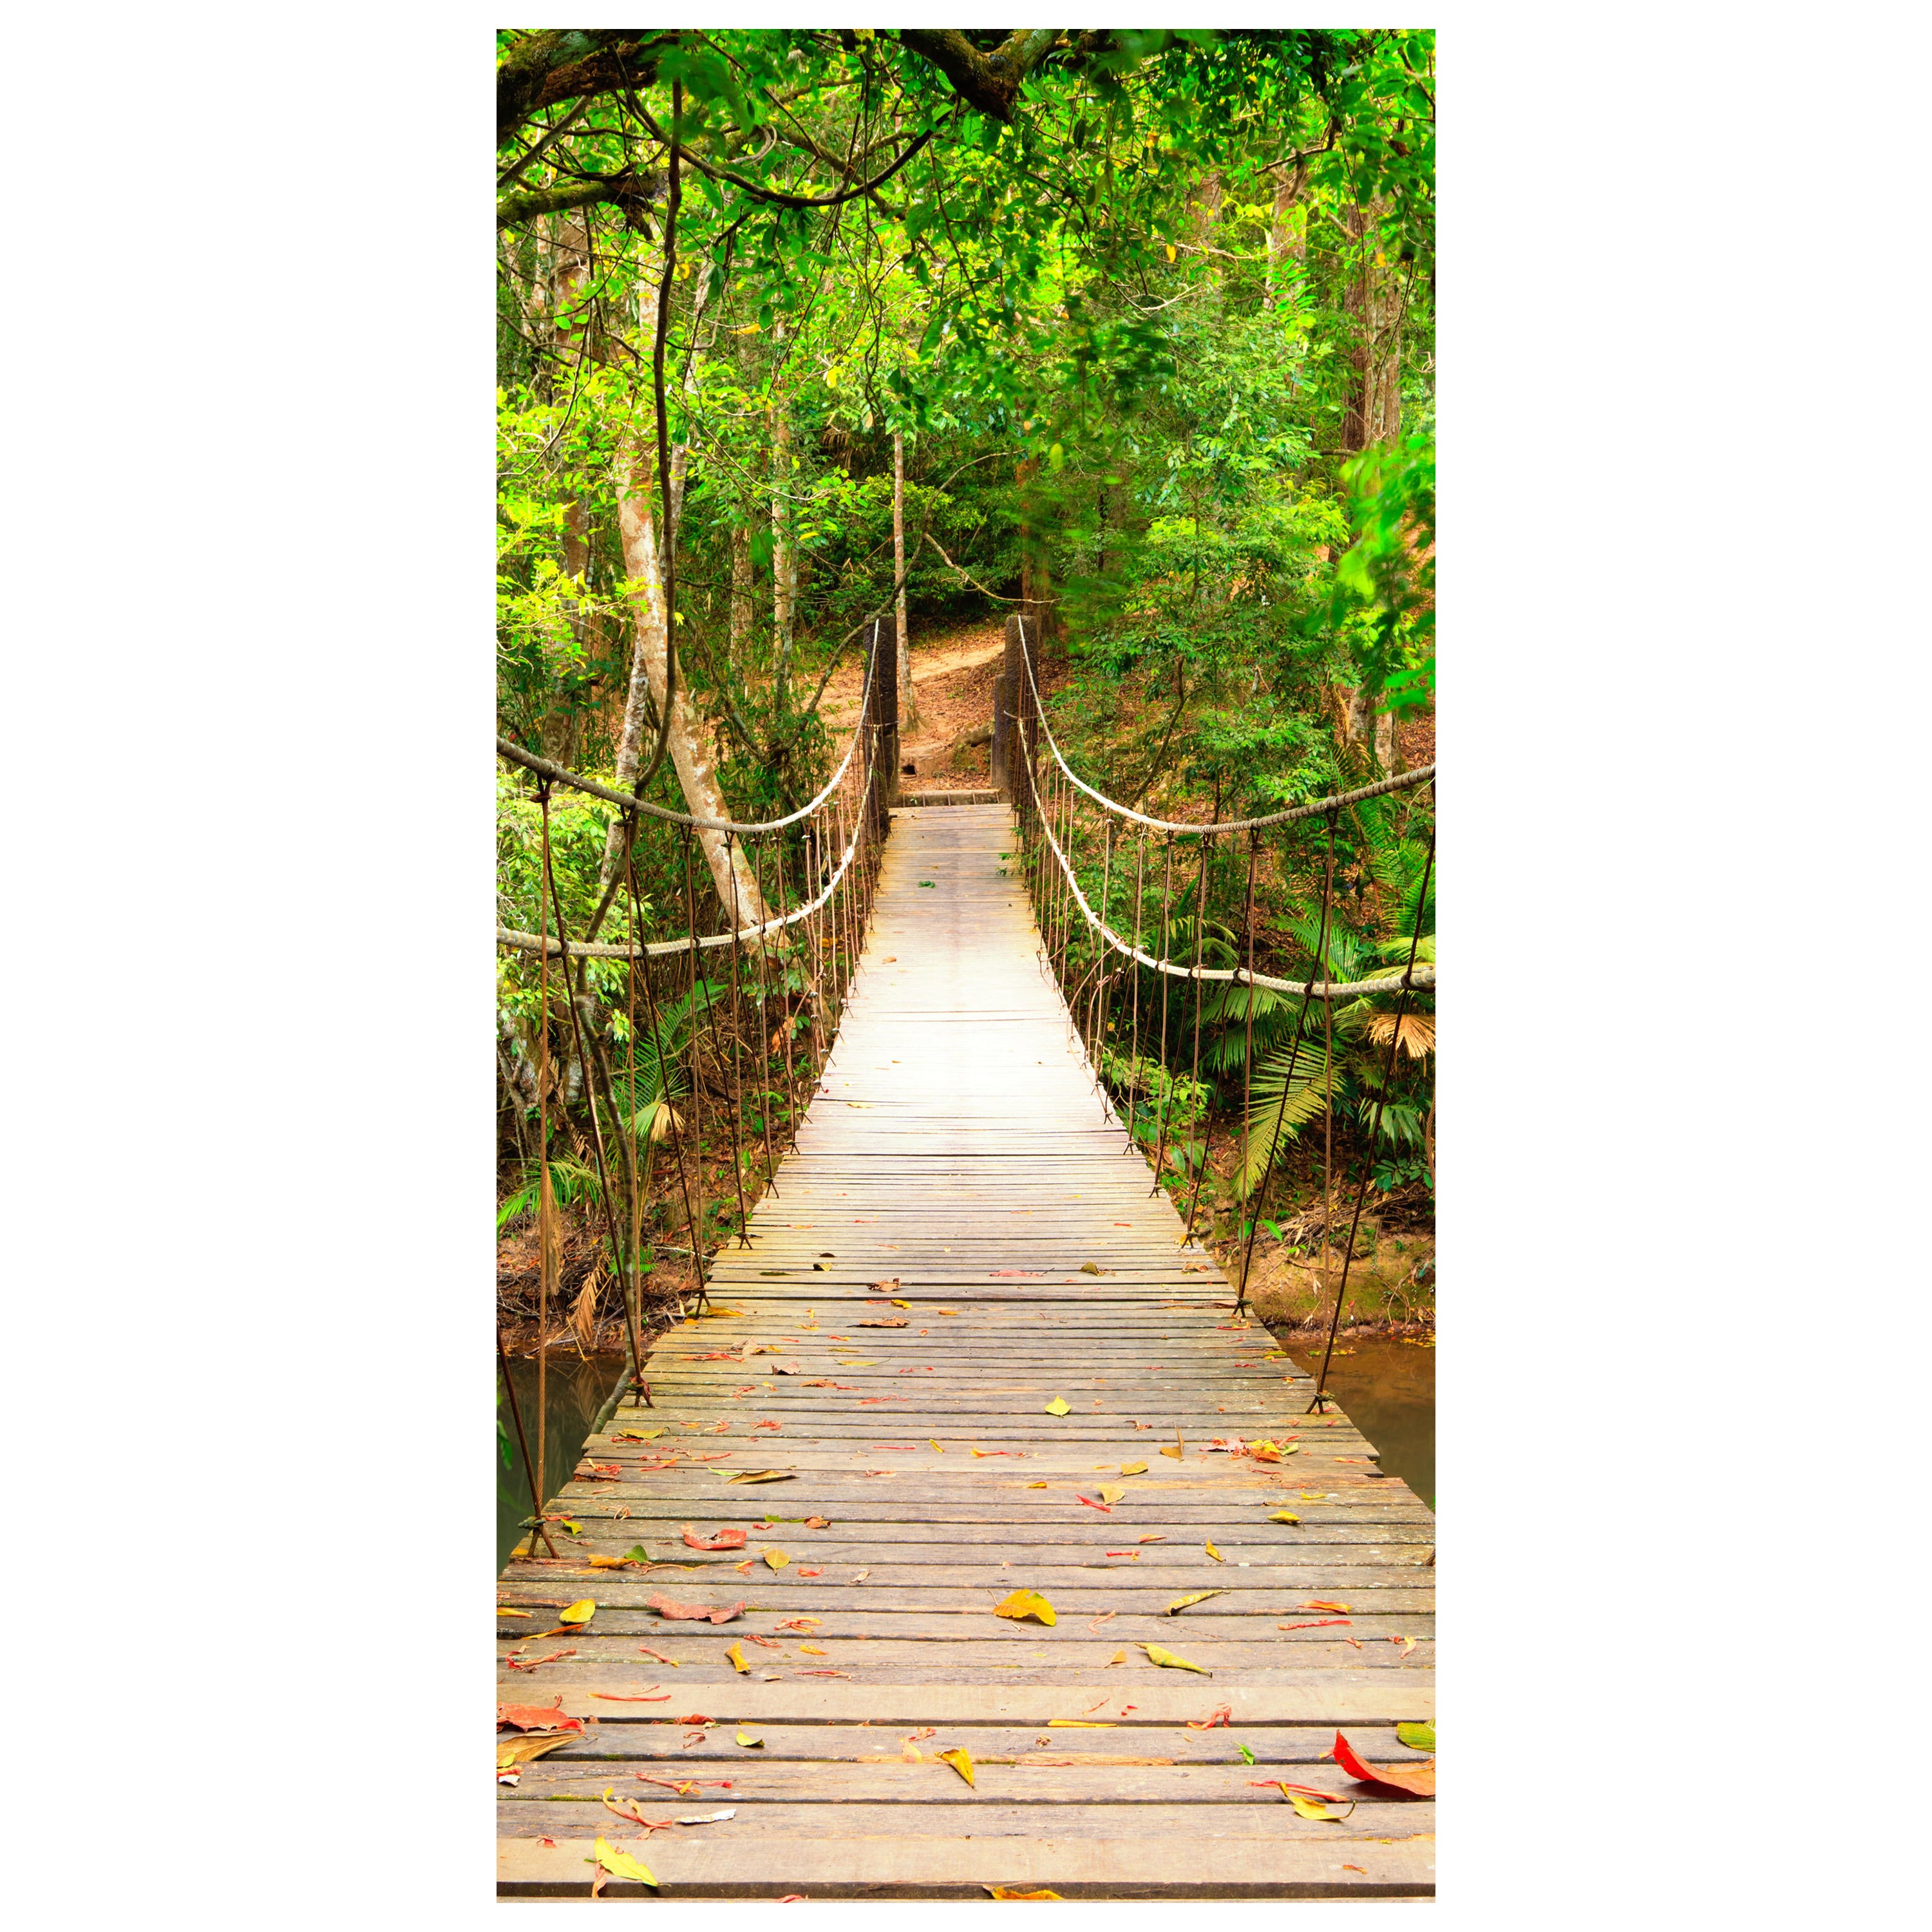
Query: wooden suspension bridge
x,y
967,1353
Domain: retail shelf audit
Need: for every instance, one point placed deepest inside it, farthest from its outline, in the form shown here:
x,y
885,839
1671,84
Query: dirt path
x,y
953,674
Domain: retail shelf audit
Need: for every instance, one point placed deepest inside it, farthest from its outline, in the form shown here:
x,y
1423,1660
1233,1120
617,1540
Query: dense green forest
x,y
1132,332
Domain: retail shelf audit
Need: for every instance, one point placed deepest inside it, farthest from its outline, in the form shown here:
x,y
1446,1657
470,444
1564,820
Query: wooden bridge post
x,y
885,671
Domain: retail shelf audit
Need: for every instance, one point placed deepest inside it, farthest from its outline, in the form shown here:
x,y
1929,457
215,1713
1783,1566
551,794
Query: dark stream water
x,y
1388,1386
577,1390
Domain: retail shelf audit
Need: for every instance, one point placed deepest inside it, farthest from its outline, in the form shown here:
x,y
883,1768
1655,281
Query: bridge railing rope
x,y
733,1022
1099,969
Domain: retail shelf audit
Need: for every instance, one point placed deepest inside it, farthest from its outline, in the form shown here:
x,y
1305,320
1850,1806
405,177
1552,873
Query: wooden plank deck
x,y
958,1157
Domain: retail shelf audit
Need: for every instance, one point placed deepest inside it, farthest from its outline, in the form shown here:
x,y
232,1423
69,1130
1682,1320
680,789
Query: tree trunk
x,y
696,770
1373,303
908,702
565,245
740,631
638,501
784,561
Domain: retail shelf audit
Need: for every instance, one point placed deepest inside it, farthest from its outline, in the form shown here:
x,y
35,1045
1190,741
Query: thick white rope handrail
x,y
1401,782
660,949
558,774
1423,980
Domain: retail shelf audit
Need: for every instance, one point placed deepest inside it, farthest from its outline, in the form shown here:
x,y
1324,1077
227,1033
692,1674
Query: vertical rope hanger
x,y
737,1041
1134,1054
697,1239
1374,1130
1166,933
676,1130
546,1199
1200,943
1260,1195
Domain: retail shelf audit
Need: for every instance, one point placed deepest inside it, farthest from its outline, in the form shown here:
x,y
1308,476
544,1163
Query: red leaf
x,y
537,1717
1106,1508
725,1539
694,1612
1419,1782
1222,1714
811,1573
611,1697
1320,1623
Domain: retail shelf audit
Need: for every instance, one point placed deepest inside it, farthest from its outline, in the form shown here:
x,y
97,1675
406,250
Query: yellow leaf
x,y
1133,1468
934,1440
748,1740
1112,1493
1157,1655
512,1751
1012,1891
898,1304
1035,1486
1025,1604
812,1650
776,1559
1119,1657
1198,1596
1214,1553
1308,1807
1170,1449
860,1362
1077,1724
1170,251
502,1612
759,1475
580,1611
621,1865
736,1655
599,1563
1284,1516
1057,1406
961,1760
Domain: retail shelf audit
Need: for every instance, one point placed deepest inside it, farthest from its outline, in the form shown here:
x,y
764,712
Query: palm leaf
x,y
1272,1119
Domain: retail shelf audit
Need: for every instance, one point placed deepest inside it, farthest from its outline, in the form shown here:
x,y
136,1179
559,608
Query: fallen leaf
x,y
812,1650
1319,1623
538,1717
1315,1808
645,1650
694,1612
504,1611
1222,1714
1247,1756
934,1440
1079,1724
1112,1492
760,1476
1284,1516
1160,1538
743,1569
898,1304
1106,1509
1413,1780
1418,1737
1157,1655
1133,1468
521,1750
818,1522
961,1760
1010,1892
811,1573
580,1611
1025,1604
736,1657
1324,1603
1198,1596
621,1865
724,1539
776,1559
882,1321
708,1818
1057,1406
747,1740
1031,1485
1214,1553
1119,1657
1170,1449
